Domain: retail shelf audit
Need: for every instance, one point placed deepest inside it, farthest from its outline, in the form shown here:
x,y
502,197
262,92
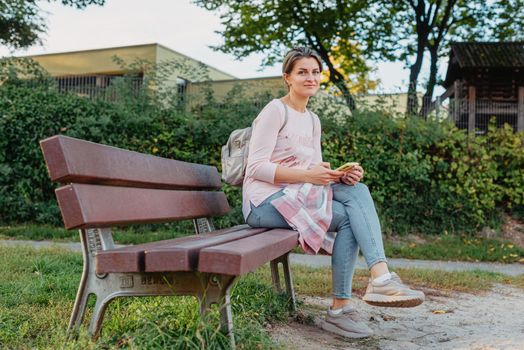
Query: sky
x,y
177,24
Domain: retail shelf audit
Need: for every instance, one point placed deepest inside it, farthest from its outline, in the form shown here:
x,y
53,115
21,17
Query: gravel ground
x,y
491,320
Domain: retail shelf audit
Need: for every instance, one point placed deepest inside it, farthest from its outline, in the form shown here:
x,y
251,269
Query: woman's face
x,y
305,77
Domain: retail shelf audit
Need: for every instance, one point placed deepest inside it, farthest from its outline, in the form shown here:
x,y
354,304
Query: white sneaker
x,y
347,323
392,293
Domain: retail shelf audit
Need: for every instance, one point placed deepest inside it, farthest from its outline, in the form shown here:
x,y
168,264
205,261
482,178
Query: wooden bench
x,y
104,186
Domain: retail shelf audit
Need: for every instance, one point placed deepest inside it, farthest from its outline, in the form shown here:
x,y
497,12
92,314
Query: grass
x,y
457,247
130,235
38,289
317,281
444,247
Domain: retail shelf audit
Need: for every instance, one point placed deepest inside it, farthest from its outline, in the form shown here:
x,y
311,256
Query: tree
x,y
510,20
355,30
329,27
355,72
430,25
21,21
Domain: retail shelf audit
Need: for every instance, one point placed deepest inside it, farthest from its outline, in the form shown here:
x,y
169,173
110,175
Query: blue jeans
x,y
354,219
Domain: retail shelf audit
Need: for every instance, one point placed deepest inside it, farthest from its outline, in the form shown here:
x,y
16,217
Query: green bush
x,y
31,110
428,176
425,176
32,113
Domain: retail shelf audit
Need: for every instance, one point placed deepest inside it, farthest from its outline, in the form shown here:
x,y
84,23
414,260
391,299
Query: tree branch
x,y
435,15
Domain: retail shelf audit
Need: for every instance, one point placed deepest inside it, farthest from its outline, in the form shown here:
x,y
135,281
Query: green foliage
x,y
506,150
31,111
22,22
330,28
425,176
344,32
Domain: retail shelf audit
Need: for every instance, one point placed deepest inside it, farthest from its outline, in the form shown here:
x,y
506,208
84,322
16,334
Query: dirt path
x,y
491,320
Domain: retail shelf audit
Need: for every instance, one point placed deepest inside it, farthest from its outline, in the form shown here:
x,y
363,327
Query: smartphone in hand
x,y
347,167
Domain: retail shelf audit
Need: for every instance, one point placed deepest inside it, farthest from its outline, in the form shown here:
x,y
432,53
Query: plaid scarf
x,y
307,208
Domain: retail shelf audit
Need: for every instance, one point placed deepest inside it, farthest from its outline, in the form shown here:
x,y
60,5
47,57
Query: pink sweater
x,y
293,147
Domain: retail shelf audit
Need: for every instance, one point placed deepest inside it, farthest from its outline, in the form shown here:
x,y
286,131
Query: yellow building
x,y
248,87
88,70
395,103
102,61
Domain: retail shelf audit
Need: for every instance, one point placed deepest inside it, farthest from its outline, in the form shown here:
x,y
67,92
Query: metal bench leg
x,y
226,317
289,281
80,302
98,315
78,309
275,276
203,225
92,240
218,291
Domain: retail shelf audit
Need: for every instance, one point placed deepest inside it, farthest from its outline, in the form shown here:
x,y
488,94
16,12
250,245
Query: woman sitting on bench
x,y
287,185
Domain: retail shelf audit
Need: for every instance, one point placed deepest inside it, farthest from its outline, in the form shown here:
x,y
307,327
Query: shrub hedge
x,y
425,176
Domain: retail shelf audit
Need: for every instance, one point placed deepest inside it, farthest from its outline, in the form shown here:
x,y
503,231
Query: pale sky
x,y
177,24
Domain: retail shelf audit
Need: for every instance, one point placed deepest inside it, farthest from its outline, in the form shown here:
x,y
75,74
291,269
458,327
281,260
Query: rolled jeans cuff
x,y
376,261
341,296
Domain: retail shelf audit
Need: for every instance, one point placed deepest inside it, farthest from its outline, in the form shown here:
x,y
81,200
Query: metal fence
x,y
472,115
105,87
476,115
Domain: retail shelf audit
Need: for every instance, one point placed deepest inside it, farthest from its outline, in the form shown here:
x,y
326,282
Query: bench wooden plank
x,y
245,255
73,160
132,258
184,255
90,206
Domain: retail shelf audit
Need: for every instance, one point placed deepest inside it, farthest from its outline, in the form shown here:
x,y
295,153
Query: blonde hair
x,y
296,54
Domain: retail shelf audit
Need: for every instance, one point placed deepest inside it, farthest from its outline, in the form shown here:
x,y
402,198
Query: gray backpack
x,y
235,152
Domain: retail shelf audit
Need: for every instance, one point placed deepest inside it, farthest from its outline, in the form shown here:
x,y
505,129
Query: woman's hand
x,y
321,174
353,176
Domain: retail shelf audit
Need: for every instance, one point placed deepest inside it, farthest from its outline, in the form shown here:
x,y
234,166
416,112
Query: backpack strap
x,y
312,122
285,118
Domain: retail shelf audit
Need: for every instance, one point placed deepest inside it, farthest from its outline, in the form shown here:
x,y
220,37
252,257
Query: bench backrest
x,y
106,186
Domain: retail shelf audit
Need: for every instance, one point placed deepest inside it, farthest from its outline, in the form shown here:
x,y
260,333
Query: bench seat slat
x,y
90,206
131,258
155,244
245,255
73,160
184,256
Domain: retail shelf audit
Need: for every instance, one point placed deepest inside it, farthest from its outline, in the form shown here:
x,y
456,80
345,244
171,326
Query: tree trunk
x,y
430,87
423,30
340,83
414,72
335,76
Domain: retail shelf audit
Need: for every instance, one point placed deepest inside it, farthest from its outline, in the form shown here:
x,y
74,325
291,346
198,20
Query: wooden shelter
x,y
485,80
